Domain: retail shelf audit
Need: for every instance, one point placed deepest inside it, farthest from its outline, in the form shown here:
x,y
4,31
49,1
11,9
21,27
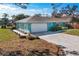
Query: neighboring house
x,y
75,25
11,22
63,15
38,23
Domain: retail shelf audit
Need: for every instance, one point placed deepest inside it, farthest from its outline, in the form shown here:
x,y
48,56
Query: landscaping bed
x,y
28,47
12,45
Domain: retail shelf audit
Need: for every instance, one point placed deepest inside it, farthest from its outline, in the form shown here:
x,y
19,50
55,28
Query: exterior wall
x,y
17,25
29,27
23,26
38,27
62,23
51,25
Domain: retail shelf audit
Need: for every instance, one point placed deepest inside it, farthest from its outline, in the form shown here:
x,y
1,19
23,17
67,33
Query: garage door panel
x,y
38,27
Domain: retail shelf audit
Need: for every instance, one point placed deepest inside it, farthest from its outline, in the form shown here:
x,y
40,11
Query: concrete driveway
x,y
71,42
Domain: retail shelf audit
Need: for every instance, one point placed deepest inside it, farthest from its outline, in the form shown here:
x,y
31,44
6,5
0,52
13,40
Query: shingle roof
x,y
62,19
35,18
39,19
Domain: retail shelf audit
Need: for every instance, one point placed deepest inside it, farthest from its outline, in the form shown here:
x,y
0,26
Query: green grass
x,y
7,34
72,31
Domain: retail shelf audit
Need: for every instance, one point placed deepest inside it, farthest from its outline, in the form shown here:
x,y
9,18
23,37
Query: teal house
x,y
39,23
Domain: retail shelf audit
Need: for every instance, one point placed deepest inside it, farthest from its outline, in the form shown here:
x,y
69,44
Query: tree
x,y
20,16
5,20
69,9
55,8
22,5
75,20
5,15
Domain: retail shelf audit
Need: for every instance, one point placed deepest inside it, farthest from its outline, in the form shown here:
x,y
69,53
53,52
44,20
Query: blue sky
x,y
33,8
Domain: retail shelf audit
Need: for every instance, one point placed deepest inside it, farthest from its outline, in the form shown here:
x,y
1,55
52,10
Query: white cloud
x,y
13,10
27,11
4,7
34,11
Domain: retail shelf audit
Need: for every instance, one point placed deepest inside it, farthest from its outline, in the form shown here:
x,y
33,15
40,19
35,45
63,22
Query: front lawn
x,y
72,31
7,34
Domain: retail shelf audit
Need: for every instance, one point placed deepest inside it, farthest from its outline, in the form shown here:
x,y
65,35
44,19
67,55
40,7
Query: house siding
x,y
17,25
51,25
62,23
29,27
23,26
26,27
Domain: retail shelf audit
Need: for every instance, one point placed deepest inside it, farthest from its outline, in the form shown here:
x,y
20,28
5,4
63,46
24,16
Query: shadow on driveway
x,y
46,33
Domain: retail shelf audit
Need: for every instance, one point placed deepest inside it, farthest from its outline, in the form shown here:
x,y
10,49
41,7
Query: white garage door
x,y
38,27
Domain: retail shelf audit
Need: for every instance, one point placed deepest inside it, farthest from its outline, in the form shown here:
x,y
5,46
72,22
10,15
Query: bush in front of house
x,y
64,28
56,28
32,37
13,28
69,26
3,26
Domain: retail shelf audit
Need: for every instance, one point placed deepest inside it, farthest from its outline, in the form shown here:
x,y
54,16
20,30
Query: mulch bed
x,y
25,47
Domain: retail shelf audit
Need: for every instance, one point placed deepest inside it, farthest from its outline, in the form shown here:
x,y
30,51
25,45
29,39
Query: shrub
x,y
57,28
64,28
3,26
68,26
13,28
31,37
